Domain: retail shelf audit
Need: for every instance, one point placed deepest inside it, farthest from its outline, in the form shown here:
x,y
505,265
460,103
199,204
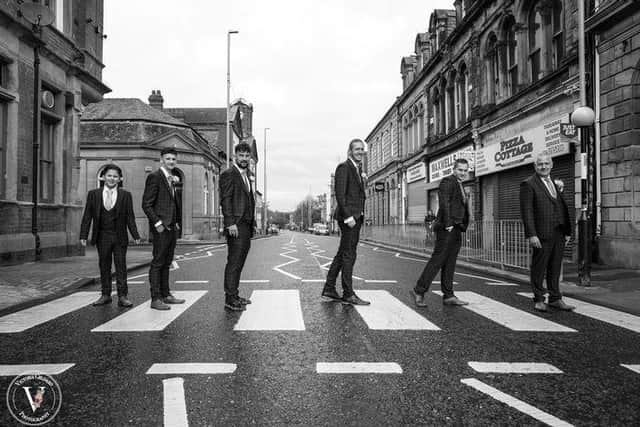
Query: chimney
x,y
156,100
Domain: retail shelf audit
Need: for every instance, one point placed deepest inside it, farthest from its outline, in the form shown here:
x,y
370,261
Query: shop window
x,y
511,57
536,43
47,144
557,44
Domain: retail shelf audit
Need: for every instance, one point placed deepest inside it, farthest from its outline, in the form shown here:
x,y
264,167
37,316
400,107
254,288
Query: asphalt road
x,y
292,358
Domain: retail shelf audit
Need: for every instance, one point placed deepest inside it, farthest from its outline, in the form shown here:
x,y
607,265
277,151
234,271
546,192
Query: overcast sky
x,y
318,73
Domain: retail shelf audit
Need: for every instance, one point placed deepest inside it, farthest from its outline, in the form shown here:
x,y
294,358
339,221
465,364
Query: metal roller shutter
x,y
417,201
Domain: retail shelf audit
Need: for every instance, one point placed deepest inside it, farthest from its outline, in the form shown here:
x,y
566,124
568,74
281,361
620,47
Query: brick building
x,y
70,52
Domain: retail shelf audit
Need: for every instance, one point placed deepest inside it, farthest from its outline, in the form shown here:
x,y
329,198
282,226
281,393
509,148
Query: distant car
x,y
321,229
273,229
310,230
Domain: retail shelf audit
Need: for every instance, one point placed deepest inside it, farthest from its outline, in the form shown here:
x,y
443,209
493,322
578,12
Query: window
x,y
536,44
436,111
462,93
206,194
47,138
444,125
493,71
3,148
452,103
511,56
557,43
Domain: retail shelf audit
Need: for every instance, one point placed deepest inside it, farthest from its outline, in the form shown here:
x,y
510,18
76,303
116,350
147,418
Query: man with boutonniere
x,y
163,208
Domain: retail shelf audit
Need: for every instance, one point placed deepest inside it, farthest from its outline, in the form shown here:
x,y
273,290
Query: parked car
x,y
273,229
321,229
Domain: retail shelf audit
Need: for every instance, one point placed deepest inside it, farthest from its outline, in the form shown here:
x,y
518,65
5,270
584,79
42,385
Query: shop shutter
x,y
417,201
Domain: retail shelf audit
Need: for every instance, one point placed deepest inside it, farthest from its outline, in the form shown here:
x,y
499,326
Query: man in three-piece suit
x,y
451,221
238,209
162,205
350,197
110,209
547,227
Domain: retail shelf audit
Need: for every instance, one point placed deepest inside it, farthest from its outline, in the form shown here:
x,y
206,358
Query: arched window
x,y
511,57
452,103
463,93
536,43
436,111
557,25
205,194
420,125
493,71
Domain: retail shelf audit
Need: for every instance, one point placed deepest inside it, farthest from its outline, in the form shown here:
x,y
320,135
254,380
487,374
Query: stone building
x,y
70,70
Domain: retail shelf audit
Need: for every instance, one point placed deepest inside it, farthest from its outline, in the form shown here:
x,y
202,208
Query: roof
x,y
198,115
127,109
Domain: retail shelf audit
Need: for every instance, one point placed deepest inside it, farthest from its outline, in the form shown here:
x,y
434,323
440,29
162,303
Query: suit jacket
x,y
237,202
125,218
540,212
349,189
452,210
158,202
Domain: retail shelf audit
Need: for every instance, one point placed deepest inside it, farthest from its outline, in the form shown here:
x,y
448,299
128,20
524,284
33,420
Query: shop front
x,y
416,193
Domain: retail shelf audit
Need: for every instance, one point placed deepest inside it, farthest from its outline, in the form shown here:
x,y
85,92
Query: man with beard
x,y
238,208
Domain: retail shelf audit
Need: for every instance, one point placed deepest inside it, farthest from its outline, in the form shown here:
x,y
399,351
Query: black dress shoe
x,y
170,299
103,300
234,305
157,304
124,302
354,300
331,294
418,298
244,301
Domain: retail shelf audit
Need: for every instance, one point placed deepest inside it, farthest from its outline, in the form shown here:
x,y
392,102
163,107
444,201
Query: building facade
x,y
70,70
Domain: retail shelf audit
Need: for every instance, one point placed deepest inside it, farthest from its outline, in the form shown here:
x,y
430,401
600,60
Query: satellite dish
x,y
37,14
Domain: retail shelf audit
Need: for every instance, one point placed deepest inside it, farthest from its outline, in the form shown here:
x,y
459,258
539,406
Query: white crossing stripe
x,y
30,317
191,281
254,281
517,404
387,312
507,316
437,282
634,368
514,368
175,407
501,284
604,314
380,281
45,368
135,282
358,368
191,368
313,280
143,318
272,310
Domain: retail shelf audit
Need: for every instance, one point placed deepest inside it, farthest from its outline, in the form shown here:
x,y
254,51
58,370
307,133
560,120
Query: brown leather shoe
x,y
157,304
124,302
561,305
330,294
418,298
170,299
540,306
354,300
103,300
454,301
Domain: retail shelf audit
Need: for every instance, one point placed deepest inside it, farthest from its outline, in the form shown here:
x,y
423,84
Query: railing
x,y
498,243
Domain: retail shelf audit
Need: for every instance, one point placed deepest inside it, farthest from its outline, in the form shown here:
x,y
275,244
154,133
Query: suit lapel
x,y
545,190
354,169
163,178
240,179
98,203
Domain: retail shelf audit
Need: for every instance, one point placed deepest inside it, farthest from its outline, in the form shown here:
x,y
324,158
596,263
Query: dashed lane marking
x,y
507,316
634,368
604,314
144,319
174,405
358,368
255,281
517,404
191,368
514,368
191,281
387,312
44,368
272,310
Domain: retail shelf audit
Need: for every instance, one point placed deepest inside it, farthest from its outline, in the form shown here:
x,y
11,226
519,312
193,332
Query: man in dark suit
x,y
451,221
163,208
350,196
238,208
110,209
547,227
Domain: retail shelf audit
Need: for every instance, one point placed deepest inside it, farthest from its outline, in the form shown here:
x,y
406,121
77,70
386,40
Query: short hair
x,y
353,141
168,150
242,147
461,161
110,167
544,154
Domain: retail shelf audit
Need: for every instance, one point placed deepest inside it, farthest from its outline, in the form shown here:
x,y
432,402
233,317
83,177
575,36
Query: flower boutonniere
x,y
173,179
364,176
560,184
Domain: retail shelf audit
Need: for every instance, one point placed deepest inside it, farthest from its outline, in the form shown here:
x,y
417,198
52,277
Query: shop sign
x,y
416,172
443,166
522,148
569,130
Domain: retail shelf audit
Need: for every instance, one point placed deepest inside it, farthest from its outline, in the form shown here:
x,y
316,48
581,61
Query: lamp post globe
x,y
583,116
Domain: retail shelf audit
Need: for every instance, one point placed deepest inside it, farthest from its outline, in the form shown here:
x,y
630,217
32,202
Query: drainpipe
x,y
596,178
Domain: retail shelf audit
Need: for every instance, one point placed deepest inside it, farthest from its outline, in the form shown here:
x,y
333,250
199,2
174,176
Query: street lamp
x,y
228,88
583,117
264,185
38,16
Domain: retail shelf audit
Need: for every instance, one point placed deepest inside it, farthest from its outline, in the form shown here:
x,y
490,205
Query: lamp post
x,y
38,16
583,117
228,89
264,185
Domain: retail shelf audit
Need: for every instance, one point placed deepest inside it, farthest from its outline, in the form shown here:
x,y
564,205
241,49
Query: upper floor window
x,y
536,43
557,43
493,70
452,104
47,144
3,148
462,93
436,111
511,57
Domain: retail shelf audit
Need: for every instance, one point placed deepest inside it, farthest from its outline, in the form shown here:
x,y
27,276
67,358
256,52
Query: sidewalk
x,y
610,287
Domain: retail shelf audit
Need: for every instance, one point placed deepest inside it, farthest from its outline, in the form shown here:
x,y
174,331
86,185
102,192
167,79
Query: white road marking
x,y
517,404
272,310
143,318
293,259
358,368
175,407
514,368
139,275
174,266
136,282
254,281
380,281
604,314
634,368
313,280
501,284
30,317
476,277
387,312
437,282
410,258
191,281
45,368
191,368
507,316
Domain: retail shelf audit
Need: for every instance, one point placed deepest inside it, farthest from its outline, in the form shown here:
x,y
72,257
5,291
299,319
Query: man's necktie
x,y
109,204
173,191
551,187
360,173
